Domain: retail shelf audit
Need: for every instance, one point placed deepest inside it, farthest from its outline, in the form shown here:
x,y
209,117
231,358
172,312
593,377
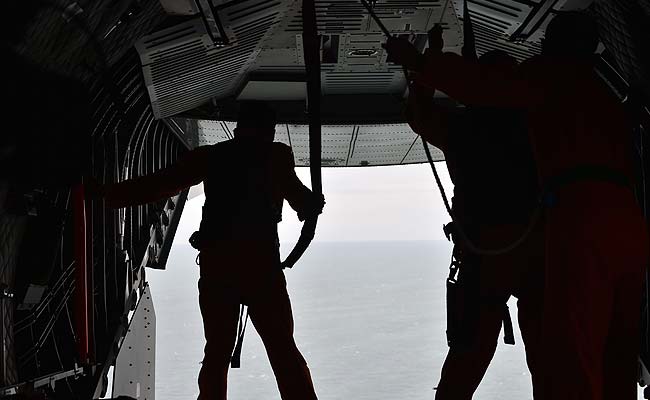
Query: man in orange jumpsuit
x,y
246,179
596,237
495,190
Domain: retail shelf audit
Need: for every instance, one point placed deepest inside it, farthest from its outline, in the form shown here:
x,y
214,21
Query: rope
x,y
466,241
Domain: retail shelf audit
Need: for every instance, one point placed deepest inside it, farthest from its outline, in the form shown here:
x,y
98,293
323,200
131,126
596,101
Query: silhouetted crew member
x,y
495,190
246,180
596,238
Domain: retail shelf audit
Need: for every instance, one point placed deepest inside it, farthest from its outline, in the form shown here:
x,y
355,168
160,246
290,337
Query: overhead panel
x,y
179,7
381,144
497,22
211,132
336,142
342,145
353,60
184,68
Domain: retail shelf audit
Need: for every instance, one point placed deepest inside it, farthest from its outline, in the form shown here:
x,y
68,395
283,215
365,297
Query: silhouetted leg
x,y
220,312
530,307
464,369
271,314
622,347
623,341
529,315
577,312
593,257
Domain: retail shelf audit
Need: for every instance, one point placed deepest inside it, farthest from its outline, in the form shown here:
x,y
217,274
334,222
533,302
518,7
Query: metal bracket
x,y
5,293
212,23
47,380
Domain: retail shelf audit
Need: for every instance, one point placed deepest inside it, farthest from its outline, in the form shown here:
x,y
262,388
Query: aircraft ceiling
x,y
252,49
257,51
342,145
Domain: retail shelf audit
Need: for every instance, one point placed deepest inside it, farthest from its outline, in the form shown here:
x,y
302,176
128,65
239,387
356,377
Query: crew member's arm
x,y
189,170
299,196
467,81
426,118
423,115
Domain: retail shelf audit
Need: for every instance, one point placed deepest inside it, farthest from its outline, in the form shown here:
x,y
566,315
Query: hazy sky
x,y
364,204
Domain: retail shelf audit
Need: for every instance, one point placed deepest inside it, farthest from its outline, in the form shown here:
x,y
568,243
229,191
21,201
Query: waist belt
x,y
583,173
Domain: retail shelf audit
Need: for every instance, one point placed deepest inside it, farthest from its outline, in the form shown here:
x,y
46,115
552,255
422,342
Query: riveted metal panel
x,y
385,144
183,68
135,364
342,145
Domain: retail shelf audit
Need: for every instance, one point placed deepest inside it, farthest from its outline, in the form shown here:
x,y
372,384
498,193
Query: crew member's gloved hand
x,y
401,51
313,207
418,106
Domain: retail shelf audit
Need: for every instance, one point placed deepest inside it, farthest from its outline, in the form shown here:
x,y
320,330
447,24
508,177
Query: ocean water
x,y
369,319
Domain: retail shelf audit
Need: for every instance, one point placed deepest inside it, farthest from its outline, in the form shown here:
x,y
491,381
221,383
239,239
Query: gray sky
x,y
364,204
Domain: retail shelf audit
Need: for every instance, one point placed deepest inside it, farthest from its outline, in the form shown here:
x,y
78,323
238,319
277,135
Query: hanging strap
x,y
469,40
235,359
311,51
452,302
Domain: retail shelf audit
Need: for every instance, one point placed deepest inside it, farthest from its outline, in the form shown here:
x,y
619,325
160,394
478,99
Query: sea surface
x,y
369,319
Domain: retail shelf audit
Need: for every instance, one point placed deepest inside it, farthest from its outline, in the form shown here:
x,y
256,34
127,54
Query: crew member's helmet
x,y
256,118
571,34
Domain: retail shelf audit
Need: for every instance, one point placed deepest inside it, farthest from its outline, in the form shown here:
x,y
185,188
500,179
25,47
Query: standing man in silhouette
x,y
490,162
596,237
246,180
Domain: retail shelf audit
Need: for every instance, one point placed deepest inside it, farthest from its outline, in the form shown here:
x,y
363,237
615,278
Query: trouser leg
x,y
464,368
624,337
529,315
623,341
272,317
484,287
530,307
591,301
577,312
220,314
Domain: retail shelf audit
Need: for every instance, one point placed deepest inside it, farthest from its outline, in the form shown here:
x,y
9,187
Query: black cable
x,y
33,351
33,316
441,188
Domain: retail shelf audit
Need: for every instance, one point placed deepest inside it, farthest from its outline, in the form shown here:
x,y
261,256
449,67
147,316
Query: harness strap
x,y
311,51
235,359
582,173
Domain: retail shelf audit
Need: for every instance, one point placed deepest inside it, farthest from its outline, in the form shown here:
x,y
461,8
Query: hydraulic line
x,y
38,311
29,354
81,301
